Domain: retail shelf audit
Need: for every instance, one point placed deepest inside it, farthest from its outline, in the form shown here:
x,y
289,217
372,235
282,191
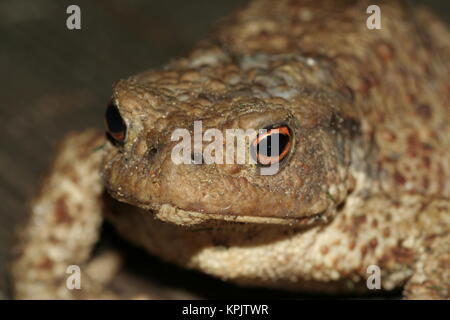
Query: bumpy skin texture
x,y
367,181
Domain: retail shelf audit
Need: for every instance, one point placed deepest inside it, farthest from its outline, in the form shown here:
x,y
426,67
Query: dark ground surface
x,y
53,80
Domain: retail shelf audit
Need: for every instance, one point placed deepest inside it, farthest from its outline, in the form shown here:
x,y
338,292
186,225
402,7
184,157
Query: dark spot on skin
x,y
348,92
74,178
353,226
380,116
427,147
441,178
386,232
389,216
412,153
370,246
389,159
410,98
426,162
54,240
318,267
389,136
46,263
359,220
373,243
364,250
335,262
399,178
402,254
424,111
425,183
324,250
385,51
235,169
414,145
423,206
367,83
61,213
374,223
352,245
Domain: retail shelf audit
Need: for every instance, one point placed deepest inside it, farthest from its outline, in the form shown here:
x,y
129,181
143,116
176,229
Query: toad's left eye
x,y
272,146
116,127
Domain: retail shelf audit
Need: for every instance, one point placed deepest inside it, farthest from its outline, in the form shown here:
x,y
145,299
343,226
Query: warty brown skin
x,y
367,181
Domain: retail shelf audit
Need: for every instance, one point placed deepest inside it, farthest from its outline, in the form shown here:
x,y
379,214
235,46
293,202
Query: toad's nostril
x,y
151,152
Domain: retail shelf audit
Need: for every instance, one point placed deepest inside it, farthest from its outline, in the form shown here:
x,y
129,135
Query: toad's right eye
x,y
116,127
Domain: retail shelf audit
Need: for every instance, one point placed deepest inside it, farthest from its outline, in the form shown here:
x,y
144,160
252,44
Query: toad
x,y
362,119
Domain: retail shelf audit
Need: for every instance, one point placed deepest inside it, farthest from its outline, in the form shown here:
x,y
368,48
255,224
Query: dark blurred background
x,y
53,80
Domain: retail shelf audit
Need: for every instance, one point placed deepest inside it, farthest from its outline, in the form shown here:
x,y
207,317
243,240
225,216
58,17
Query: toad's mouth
x,y
178,216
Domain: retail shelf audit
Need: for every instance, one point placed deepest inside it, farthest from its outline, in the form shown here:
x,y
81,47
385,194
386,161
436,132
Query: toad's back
x,y
396,76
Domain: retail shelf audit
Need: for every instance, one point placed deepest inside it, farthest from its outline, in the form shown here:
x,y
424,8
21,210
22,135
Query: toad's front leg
x,y
63,225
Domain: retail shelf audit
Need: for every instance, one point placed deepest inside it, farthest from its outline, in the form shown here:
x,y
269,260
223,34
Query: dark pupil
x,y
265,146
114,120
